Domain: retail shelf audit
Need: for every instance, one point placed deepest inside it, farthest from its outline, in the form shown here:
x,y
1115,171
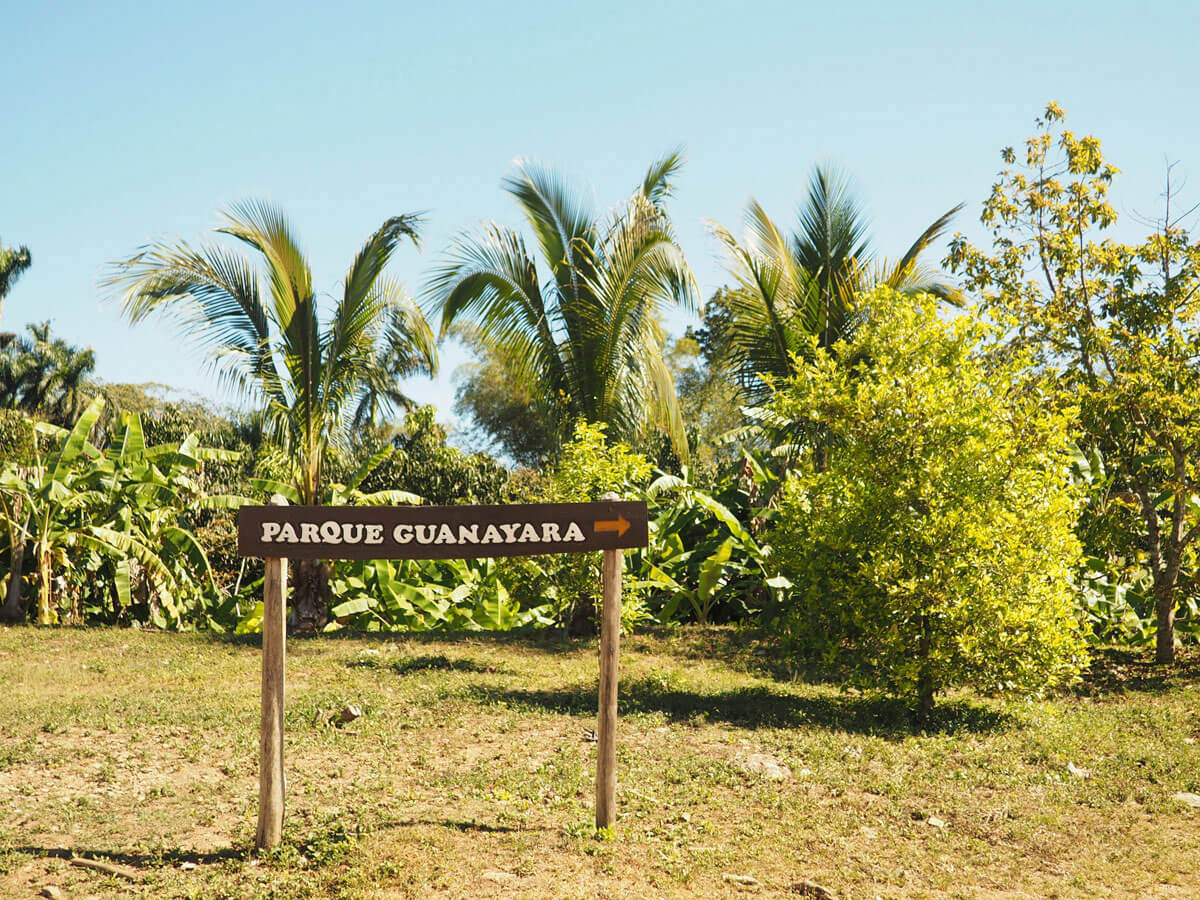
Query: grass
x,y
470,773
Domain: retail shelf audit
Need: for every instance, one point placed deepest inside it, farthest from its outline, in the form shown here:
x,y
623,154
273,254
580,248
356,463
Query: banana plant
x,y
116,512
428,595
720,558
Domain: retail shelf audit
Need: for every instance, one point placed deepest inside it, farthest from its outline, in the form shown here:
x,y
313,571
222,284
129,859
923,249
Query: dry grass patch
x,y
470,774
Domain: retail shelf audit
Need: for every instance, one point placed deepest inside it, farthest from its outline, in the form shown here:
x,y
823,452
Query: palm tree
x,y
792,288
13,261
581,334
257,318
44,375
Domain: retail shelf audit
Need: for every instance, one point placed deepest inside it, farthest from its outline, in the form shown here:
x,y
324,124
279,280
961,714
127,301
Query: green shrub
x,y
589,467
16,437
933,545
424,465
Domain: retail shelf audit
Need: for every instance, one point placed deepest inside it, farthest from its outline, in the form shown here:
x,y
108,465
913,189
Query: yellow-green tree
x,y
936,546
1116,322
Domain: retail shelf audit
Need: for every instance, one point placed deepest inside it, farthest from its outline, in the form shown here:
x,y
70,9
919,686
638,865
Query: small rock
x,y
346,715
812,889
499,877
741,880
1192,800
187,866
935,822
767,766
53,892
1078,772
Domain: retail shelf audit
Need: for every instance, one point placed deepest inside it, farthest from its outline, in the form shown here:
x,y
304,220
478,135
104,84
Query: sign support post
x,y
606,725
270,759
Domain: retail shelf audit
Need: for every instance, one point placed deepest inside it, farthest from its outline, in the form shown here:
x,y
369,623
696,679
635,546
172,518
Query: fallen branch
x,y
107,868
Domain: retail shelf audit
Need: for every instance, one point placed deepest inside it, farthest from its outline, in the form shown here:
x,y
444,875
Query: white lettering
x,y
349,536
445,535
510,532
402,534
529,533
468,534
270,529
308,533
573,533
550,532
492,536
425,533
331,533
374,534
287,534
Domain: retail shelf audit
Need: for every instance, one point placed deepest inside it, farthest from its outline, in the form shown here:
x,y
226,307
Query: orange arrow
x,y
620,525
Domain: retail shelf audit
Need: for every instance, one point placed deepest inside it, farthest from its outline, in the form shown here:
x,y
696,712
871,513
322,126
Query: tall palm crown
x,y
13,262
257,317
792,288
581,333
45,375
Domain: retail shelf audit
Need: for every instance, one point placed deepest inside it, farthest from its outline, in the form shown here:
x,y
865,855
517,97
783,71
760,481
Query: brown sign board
x,y
440,532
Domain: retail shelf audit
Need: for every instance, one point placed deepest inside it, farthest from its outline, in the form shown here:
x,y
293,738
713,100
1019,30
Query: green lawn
x,y
470,773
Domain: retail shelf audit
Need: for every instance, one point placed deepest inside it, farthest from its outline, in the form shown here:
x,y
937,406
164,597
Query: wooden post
x,y
606,727
270,758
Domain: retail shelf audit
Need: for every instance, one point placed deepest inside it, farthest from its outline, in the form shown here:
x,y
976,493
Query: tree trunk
x,y
925,686
1165,587
14,610
1164,564
581,617
311,597
45,615
1164,609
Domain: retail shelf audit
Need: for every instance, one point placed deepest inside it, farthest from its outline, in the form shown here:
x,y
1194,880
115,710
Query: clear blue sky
x,y
128,121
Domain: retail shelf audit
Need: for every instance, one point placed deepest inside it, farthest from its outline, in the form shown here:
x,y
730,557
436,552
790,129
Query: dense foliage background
x,y
916,483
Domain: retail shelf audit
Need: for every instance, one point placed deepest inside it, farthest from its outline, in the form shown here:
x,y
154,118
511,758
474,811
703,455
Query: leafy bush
x,y
424,465
16,437
589,467
936,545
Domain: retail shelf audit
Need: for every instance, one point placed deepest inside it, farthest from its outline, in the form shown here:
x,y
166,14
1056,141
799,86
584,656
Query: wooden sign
x,y
439,532
280,532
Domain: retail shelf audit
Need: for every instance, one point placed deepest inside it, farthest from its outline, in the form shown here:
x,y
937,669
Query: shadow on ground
x,y
429,663
548,641
473,826
156,860
758,707
1117,670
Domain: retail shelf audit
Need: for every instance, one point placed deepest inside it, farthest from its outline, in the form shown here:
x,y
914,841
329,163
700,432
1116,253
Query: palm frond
x,y
832,226
558,215
656,184
212,296
935,230
293,305
491,281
